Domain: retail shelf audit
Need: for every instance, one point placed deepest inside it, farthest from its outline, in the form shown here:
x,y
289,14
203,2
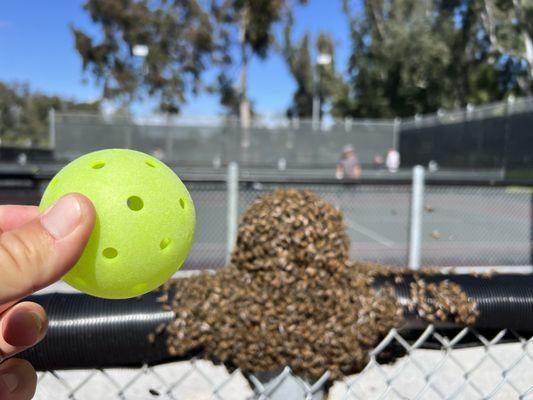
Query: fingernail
x,y
38,322
11,381
63,217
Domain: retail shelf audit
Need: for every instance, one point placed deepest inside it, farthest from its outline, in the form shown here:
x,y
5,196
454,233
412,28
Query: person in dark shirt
x,y
348,166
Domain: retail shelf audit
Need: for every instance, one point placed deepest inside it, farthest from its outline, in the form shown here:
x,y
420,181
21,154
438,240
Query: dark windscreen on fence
x,y
503,142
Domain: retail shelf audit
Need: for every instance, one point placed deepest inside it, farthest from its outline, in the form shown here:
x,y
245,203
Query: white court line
x,y
370,233
503,269
62,287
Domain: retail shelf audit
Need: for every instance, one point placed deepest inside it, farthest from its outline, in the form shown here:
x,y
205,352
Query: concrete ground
x,y
496,372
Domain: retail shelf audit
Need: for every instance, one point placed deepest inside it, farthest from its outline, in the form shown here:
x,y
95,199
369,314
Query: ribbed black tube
x,y
88,332
503,300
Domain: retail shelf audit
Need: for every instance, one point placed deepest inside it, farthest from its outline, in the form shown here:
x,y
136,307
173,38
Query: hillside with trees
x,y
24,114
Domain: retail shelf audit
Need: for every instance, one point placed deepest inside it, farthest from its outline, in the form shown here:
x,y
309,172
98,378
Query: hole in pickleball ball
x,y
98,165
182,203
135,203
110,252
150,163
164,243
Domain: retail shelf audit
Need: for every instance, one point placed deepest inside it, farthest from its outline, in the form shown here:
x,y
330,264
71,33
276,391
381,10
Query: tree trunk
x,y
489,22
244,105
528,44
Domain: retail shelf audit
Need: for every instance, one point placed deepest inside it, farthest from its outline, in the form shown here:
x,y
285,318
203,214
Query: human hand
x,y
35,251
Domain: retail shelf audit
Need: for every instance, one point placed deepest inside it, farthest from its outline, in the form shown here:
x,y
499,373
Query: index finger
x,y
12,217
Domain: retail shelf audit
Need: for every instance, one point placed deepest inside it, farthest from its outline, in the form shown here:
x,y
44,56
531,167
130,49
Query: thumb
x,y
43,250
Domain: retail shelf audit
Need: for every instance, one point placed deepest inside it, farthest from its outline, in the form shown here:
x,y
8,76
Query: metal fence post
x,y
507,135
415,221
169,144
52,128
396,133
469,110
232,184
347,124
128,136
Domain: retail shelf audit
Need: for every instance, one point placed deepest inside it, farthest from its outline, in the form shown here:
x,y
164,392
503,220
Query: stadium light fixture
x,y
323,59
140,50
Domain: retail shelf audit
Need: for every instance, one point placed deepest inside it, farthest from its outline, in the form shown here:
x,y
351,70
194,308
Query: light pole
x,y
141,51
322,60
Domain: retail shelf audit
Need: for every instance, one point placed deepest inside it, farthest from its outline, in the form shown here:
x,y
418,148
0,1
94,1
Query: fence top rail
x,y
42,173
264,121
508,106
471,112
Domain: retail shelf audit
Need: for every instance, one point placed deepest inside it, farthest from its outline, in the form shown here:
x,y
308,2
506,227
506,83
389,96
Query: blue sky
x,y
36,46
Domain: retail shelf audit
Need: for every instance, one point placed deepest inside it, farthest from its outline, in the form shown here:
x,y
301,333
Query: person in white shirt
x,y
393,160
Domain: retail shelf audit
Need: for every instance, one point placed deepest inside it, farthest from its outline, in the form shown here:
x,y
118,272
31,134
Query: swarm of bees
x,y
291,229
291,296
442,301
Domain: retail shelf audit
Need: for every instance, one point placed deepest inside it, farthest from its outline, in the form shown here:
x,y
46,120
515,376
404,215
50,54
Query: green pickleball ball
x,y
144,226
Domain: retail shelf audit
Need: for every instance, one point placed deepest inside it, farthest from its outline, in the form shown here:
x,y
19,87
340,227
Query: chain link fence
x,y
469,113
269,143
491,136
461,225
376,216
477,226
463,364
210,241
494,136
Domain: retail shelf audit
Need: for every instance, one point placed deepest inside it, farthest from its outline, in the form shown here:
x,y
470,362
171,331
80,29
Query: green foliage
x,y
331,85
408,56
184,38
298,59
327,85
247,25
179,36
24,115
412,57
259,16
